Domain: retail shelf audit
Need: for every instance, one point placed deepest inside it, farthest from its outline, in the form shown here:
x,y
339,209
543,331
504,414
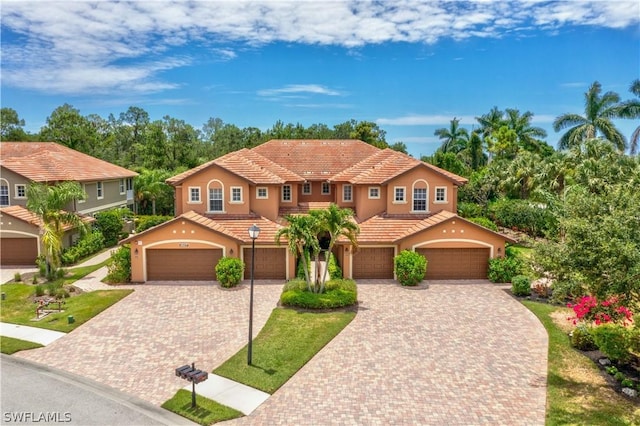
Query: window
x,y
21,191
129,184
262,193
347,193
306,188
374,192
99,190
286,193
84,189
326,188
236,194
4,194
194,194
441,195
398,196
215,199
420,199
122,187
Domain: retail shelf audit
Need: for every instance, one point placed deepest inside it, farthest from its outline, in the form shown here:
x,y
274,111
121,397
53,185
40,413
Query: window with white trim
x,y
286,193
215,199
441,194
194,194
398,194
374,192
347,193
122,191
129,184
21,190
326,188
262,192
306,188
236,194
4,193
99,190
419,199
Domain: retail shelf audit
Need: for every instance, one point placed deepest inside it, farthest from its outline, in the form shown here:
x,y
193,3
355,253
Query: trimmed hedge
x,y
229,271
410,267
338,293
87,245
145,222
521,285
522,215
503,269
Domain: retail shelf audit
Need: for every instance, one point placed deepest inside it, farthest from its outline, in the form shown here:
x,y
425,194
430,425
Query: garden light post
x,y
254,231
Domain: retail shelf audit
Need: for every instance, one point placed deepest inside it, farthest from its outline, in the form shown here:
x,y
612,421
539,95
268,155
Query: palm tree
x,y
473,154
48,203
337,222
631,109
528,136
491,122
599,111
454,139
150,186
302,237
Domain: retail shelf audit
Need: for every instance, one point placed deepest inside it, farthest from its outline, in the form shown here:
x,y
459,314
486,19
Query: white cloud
x,y
122,41
311,89
425,120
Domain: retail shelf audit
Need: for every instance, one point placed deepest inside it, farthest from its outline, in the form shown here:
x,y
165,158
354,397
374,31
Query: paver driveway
x,y
135,345
463,354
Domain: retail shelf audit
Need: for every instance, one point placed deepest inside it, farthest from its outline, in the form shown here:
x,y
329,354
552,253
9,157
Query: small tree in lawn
x,y
410,267
302,234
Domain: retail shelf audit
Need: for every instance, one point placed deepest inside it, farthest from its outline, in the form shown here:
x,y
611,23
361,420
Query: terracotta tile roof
x,y
25,215
316,159
52,162
304,207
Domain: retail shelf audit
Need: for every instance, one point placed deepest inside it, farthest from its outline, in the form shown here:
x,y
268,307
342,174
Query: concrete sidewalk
x,y
232,394
30,334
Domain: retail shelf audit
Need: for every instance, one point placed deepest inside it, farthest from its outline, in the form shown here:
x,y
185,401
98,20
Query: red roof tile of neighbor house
x,y
25,215
52,162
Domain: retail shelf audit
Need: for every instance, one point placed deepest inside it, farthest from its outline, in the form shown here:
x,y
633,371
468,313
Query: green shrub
x,y
145,222
87,245
338,293
483,221
17,277
626,383
34,280
61,293
470,210
619,376
110,224
503,269
334,269
229,271
410,267
612,340
521,285
582,339
39,291
611,370
119,266
522,215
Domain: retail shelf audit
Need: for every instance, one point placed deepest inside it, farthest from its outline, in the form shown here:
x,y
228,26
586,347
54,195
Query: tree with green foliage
x,y
454,138
11,126
150,186
599,110
48,203
68,127
301,233
631,109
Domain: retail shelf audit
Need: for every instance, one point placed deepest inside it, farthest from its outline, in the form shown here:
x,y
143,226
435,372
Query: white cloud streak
x,y
445,120
79,46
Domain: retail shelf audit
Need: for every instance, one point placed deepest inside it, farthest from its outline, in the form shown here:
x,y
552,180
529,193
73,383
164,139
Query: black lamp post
x,y
254,231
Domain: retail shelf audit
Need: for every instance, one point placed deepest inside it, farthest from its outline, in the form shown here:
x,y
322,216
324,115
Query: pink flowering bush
x,y
589,310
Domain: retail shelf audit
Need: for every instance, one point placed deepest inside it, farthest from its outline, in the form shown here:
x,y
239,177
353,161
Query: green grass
x,y
9,345
287,342
206,411
577,394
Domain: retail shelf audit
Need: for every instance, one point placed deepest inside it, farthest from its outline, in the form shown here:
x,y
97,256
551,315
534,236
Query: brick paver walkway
x,y
453,354
135,345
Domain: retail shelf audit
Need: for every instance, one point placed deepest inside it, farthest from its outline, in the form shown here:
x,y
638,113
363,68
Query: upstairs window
x,y
398,194
129,184
194,194
122,187
420,199
347,193
374,192
236,194
286,193
306,188
262,193
441,194
215,199
21,191
99,190
4,194
326,188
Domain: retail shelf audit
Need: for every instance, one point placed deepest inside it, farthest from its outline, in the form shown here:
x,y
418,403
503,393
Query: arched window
x,y
4,193
420,196
216,191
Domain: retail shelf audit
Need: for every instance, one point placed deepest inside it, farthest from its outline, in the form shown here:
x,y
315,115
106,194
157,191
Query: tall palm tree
x,y
491,122
337,222
599,109
528,136
48,203
631,109
149,186
302,236
454,138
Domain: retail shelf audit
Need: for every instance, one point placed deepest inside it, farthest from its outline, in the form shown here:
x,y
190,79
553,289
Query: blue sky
x,y
410,66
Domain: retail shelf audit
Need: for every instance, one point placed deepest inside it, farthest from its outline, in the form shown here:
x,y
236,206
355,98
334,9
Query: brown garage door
x,y
456,263
376,263
271,264
182,264
18,251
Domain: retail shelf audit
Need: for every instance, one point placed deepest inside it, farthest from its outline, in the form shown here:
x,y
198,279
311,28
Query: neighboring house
x,y
399,203
21,163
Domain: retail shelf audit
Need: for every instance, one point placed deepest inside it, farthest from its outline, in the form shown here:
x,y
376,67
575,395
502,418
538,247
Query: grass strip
x,y
206,412
9,345
577,394
287,342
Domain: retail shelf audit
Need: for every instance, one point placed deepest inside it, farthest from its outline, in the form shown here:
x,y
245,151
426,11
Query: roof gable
x,y
52,162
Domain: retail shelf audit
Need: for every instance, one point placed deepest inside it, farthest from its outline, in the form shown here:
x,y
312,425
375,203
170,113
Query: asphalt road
x,y
33,394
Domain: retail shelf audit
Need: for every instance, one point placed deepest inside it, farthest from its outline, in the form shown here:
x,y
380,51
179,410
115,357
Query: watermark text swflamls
x,y
36,417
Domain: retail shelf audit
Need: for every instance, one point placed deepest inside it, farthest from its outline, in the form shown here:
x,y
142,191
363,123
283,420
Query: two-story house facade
x,y
399,203
106,185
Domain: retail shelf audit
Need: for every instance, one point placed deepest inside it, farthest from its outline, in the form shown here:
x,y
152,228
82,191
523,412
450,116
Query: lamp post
x,y
254,231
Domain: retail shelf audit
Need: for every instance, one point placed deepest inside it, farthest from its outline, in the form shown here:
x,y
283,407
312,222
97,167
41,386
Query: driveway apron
x,y
135,345
456,354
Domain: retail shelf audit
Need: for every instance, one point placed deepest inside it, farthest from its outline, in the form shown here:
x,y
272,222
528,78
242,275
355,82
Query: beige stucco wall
x,y
367,207
12,179
265,207
316,193
433,181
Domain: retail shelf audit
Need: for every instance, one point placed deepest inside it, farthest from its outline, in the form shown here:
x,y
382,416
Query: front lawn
x,y
206,411
577,393
9,345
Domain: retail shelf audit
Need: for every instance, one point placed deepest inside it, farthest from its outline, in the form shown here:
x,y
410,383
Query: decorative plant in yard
x,y
229,271
410,267
588,309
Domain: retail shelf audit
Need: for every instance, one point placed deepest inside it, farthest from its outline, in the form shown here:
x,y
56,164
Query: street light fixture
x,y
254,231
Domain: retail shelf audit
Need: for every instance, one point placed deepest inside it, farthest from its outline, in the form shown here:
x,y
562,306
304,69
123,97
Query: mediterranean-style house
x,y
107,186
399,203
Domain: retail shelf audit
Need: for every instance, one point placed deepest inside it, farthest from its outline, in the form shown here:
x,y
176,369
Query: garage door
x,y
373,263
182,265
271,264
456,263
18,251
